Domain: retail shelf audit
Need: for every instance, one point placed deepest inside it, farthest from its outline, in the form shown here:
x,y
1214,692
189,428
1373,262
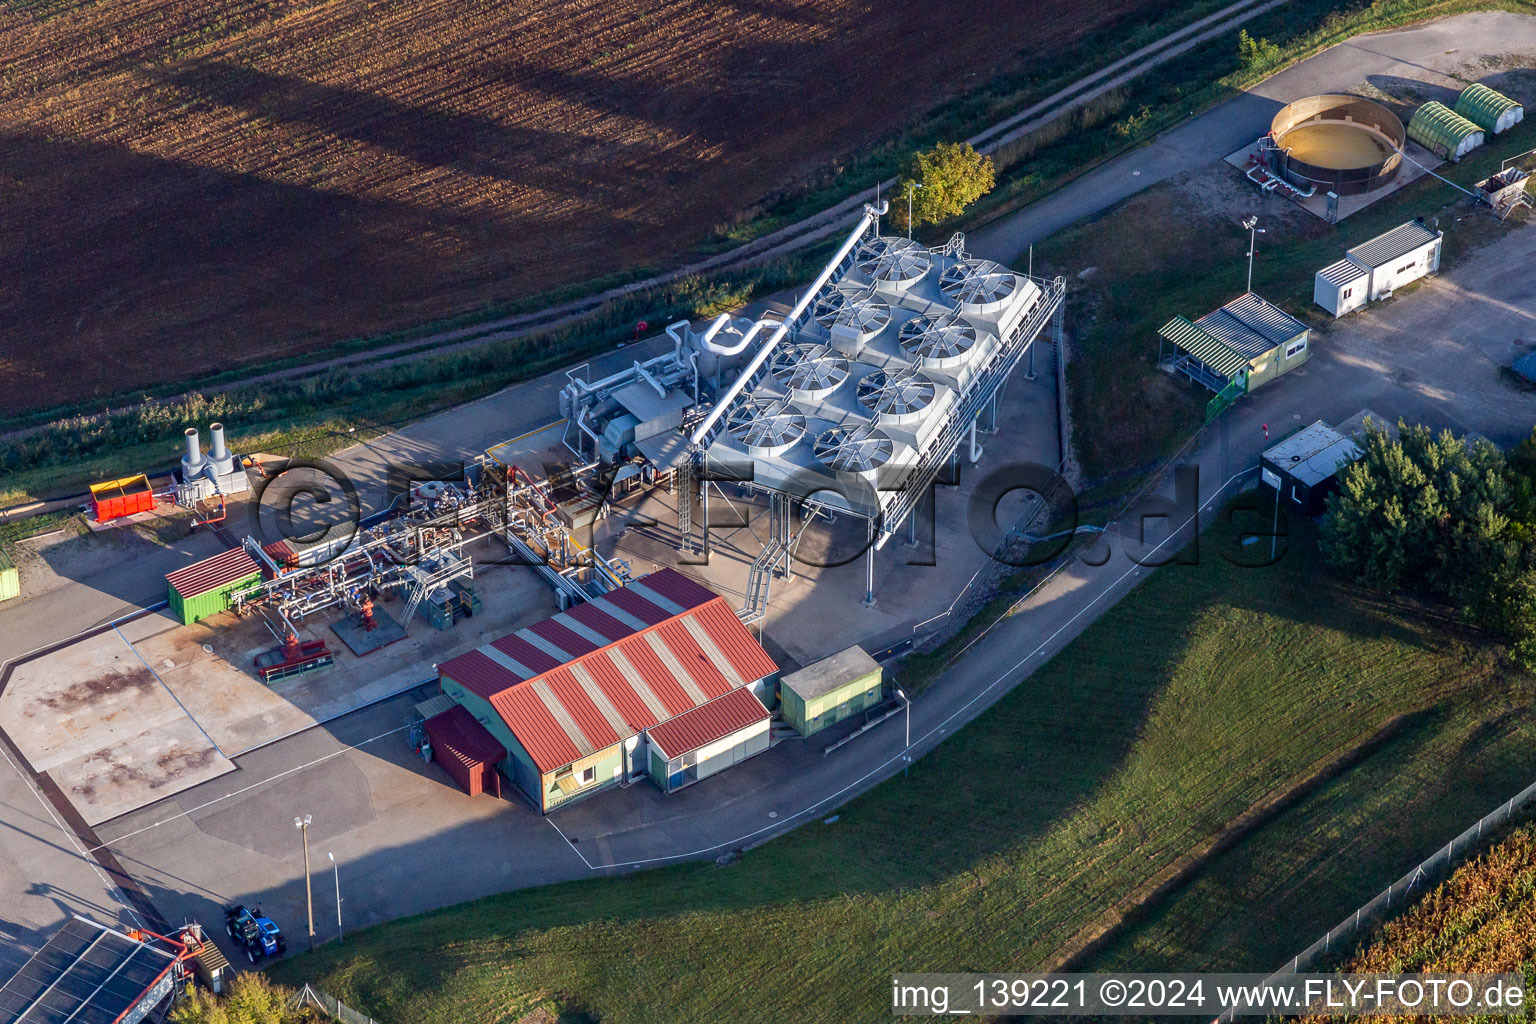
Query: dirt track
x,y
198,184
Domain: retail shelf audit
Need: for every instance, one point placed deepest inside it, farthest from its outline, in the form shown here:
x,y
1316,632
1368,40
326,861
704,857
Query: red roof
x,y
456,734
604,671
212,573
713,721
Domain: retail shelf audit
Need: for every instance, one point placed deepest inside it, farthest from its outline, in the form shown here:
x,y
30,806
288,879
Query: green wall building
x,y
830,690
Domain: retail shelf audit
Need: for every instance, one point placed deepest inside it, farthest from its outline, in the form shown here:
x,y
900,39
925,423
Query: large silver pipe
x,y
216,449
871,215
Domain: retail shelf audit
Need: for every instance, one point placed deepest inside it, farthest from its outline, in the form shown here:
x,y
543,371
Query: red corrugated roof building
x,y
572,687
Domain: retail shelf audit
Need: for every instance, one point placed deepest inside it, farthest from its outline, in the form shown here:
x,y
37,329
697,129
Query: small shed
x,y
1248,340
10,579
708,739
1341,287
466,750
125,496
1444,132
203,588
1525,366
830,690
1489,109
1400,256
1303,468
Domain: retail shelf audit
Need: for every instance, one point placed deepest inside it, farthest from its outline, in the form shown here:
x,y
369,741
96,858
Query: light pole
x,y
906,750
1252,224
302,824
912,188
336,871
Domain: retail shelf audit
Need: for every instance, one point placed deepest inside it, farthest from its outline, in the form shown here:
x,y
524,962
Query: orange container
x,y
114,499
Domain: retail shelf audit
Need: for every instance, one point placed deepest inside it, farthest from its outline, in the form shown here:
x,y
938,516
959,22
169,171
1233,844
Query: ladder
x,y
685,483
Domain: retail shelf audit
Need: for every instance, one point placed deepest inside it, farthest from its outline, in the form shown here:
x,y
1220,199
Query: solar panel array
x,y
85,974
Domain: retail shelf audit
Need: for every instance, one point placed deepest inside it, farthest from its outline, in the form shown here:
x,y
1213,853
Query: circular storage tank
x,y
1337,143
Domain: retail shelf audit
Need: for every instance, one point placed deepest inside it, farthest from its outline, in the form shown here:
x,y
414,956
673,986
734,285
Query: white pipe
x,y
714,329
975,448
871,214
742,343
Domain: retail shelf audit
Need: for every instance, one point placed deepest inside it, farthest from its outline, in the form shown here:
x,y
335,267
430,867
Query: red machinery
x,y
294,657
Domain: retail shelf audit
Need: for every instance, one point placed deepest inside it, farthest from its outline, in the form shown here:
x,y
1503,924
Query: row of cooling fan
x,y
896,264
771,426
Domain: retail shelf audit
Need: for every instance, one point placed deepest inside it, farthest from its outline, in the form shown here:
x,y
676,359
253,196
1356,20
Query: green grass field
x,y
1208,691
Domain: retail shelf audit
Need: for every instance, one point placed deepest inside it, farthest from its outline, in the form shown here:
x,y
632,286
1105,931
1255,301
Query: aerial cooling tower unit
x,y
859,451
978,286
894,264
938,343
898,397
766,427
809,372
1337,143
852,318
1489,109
1444,132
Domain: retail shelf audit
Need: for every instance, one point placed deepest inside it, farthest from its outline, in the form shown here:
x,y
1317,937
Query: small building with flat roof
x,y
830,690
1303,469
1249,340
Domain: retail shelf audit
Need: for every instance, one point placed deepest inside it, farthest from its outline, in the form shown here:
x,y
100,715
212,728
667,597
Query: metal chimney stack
x,y
218,454
192,462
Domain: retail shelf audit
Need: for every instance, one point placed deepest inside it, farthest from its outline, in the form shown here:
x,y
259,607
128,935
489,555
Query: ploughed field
x,y
191,186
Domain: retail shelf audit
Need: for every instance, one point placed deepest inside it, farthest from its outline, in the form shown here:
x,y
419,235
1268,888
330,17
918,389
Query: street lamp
x,y
1252,224
336,871
906,750
302,824
912,188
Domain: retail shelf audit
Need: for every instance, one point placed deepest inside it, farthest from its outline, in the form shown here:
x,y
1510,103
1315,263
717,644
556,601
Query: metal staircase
x,y
772,561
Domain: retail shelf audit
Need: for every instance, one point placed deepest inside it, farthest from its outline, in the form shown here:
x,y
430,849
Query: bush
x,y
1256,54
250,999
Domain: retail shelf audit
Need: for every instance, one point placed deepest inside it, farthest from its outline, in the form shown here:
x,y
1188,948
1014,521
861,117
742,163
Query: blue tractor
x,y
252,932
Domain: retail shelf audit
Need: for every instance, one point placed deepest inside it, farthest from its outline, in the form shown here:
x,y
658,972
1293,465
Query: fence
x,y
330,1006
1436,865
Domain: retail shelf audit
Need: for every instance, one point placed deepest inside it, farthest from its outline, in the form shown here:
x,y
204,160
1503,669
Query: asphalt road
x,y
1429,356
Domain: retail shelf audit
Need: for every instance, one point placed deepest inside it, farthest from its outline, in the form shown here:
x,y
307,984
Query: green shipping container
x,y
203,589
830,690
10,579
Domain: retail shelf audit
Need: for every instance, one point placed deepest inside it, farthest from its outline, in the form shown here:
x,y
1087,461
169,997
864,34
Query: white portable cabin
x,y
1375,269
1341,287
1402,255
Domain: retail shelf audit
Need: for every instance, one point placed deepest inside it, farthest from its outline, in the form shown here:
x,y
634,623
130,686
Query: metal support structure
x,y
302,824
869,582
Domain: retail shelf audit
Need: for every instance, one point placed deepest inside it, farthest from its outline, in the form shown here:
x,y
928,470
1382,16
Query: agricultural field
x,y
195,186
1208,702
1482,918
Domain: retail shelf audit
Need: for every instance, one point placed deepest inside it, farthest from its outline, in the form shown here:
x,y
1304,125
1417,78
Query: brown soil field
x,y
190,186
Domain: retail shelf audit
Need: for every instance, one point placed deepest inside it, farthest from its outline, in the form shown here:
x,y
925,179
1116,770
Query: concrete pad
x,y
362,641
144,768
1419,162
